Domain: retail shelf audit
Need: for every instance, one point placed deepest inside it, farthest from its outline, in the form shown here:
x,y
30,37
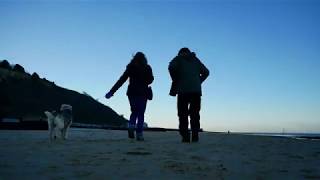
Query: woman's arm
x,y
121,81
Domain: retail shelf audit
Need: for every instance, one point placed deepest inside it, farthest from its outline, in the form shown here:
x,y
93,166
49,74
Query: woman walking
x,y
140,77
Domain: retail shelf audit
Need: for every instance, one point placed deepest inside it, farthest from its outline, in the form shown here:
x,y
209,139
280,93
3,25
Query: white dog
x,y
59,121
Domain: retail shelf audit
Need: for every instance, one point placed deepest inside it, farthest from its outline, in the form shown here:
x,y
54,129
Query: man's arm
x,y
204,72
173,74
173,69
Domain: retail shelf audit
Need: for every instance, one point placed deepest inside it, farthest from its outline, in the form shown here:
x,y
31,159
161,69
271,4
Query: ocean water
x,y
313,136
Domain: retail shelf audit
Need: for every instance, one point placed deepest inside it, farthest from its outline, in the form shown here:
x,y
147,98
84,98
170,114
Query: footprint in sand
x,y
221,167
283,171
316,154
296,157
82,174
184,167
312,176
139,153
175,166
198,158
4,165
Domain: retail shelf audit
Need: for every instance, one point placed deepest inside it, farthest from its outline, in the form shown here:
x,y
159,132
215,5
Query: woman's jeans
x,y
138,106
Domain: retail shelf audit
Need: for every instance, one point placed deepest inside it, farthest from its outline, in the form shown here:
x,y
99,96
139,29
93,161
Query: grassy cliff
x,y
23,95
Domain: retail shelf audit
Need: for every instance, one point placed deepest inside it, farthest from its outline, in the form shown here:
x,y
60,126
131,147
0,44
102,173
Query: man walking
x,y
187,74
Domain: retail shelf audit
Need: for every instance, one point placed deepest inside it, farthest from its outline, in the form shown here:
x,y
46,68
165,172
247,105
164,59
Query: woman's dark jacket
x,y
140,76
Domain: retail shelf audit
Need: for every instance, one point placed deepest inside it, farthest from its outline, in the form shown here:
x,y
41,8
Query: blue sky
x,y
263,55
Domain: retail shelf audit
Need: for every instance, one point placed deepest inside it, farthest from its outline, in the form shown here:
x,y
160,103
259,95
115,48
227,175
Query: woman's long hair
x,y
139,59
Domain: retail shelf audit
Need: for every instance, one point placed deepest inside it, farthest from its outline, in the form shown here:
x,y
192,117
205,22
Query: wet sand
x,y
106,154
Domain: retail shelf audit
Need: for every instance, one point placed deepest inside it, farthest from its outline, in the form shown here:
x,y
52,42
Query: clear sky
x,y
263,55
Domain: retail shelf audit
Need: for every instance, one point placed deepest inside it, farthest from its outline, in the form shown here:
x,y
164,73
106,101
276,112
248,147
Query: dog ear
x,y
48,114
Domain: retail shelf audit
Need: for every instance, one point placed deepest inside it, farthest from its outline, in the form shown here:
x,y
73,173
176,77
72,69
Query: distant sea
x,y
312,136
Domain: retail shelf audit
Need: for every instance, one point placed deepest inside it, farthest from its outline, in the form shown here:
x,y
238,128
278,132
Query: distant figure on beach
x,y
187,74
140,77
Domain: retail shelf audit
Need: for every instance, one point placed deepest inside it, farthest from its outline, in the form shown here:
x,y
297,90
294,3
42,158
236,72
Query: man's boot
x,y
195,136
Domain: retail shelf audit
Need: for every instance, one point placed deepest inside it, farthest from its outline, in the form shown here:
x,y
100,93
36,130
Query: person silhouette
x,y
140,76
188,73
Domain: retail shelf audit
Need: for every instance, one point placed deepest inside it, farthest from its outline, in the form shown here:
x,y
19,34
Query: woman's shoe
x,y
140,137
131,133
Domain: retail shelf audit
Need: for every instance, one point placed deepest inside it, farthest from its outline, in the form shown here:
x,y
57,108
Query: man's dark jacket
x,y
187,73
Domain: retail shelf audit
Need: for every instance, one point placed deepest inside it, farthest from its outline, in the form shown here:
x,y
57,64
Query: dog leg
x,y
50,134
63,134
55,133
66,132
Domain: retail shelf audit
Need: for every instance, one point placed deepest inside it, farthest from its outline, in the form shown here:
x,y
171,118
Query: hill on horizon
x,y
27,96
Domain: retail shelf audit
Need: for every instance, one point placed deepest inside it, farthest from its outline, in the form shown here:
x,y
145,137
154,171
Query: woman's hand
x,y
108,95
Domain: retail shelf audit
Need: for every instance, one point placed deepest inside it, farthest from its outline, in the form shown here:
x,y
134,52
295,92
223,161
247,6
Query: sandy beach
x,y
106,154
